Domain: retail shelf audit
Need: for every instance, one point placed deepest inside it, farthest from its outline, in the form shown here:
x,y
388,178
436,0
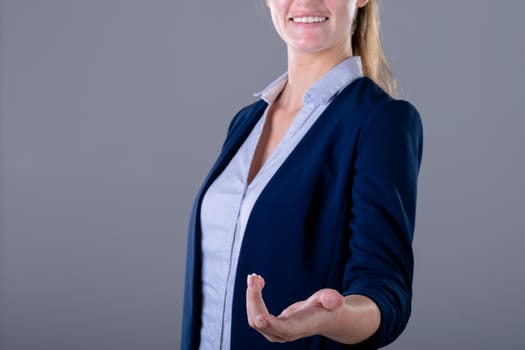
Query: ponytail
x,y
366,42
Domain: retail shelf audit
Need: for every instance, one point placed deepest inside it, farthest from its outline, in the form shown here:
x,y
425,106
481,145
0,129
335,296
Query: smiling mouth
x,y
309,19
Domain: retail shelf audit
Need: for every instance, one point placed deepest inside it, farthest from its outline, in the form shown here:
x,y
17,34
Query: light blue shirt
x,y
229,200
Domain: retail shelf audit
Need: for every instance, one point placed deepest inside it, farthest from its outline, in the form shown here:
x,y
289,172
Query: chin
x,y
309,49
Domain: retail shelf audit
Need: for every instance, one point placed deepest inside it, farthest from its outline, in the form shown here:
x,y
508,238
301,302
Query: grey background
x,y
113,111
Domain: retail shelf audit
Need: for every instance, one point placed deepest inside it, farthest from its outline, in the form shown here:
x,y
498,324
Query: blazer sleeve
x,y
384,186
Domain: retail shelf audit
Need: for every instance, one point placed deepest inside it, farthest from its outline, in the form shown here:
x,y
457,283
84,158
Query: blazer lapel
x,y
247,121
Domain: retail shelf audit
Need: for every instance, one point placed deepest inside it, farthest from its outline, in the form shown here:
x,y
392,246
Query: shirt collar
x,y
270,92
322,90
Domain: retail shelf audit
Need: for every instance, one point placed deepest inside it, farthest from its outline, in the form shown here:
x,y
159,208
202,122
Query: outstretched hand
x,y
316,315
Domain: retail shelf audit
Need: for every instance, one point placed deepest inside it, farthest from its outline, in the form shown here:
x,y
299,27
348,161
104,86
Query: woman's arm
x,y
376,291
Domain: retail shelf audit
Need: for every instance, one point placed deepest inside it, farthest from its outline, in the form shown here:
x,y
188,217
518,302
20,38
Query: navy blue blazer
x,y
339,213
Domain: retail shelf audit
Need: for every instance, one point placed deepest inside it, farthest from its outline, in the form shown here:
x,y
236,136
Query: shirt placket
x,y
236,239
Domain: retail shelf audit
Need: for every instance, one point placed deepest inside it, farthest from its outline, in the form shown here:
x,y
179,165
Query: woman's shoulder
x,y
368,92
385,119
366,100
245,119
246,113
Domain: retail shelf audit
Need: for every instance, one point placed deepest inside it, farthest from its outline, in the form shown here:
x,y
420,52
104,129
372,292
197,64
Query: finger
x,y
291,309
254,301
330,299
282,330
267,331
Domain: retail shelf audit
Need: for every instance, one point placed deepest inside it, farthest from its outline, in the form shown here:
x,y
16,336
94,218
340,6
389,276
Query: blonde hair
x,y
366,42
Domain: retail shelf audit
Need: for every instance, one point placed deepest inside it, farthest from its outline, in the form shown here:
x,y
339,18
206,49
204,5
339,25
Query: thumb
x,y
331,299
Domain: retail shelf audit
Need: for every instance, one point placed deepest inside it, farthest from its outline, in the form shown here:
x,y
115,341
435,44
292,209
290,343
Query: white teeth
x,y
311,19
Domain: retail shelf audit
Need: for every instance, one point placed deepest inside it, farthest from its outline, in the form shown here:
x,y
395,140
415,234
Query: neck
x,y
304,69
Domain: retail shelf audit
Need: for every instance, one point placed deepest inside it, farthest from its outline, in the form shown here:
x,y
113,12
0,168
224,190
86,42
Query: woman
x,y
315,190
